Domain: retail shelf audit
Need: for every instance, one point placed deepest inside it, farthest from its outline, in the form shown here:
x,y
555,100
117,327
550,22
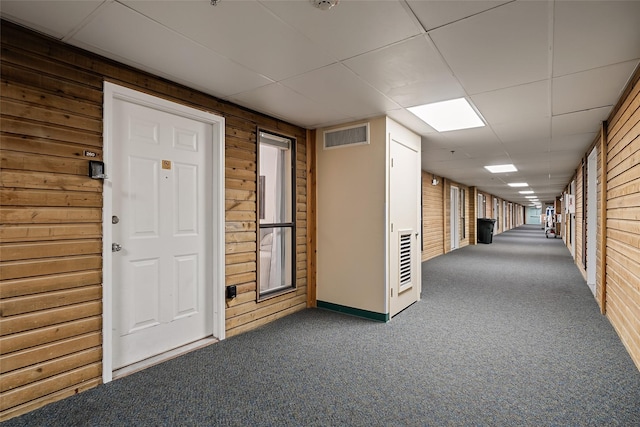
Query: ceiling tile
x,y
578,143
592,34
422,77
56,18
116,31
524,103
351,28
433,14
337,88
598,87
282,102
503,47
535,128
578,123
243,31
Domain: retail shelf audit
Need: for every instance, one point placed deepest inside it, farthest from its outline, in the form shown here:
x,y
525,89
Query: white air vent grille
x,y
405,259
347,136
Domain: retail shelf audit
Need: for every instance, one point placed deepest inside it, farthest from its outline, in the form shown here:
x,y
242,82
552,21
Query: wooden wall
x,y
623,219
50,215
432,217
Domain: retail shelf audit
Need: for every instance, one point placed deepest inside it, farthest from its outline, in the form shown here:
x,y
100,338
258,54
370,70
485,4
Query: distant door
x,y
404,215
572,221
455,218
162,206
592,215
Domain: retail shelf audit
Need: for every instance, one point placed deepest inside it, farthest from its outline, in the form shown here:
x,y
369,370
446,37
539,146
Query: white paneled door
x,y
404,215
162,232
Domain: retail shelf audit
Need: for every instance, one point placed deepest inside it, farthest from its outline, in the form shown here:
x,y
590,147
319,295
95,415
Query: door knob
x,y
115,247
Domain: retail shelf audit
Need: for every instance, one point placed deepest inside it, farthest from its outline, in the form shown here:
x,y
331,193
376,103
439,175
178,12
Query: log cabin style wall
x,y
432,215
622,240
51,215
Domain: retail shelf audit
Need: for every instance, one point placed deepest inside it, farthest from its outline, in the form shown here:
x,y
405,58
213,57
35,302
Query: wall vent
x,y
405,259
346,136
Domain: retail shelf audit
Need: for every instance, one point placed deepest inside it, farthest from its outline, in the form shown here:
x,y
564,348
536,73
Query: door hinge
x,y
392,162
392,227
391,292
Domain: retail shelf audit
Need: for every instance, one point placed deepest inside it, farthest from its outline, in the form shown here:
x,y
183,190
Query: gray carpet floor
x,y
506,334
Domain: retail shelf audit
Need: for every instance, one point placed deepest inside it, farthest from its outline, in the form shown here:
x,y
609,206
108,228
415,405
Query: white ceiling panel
x,y
282,102
123,34
422,78
533,129
579,123
352,28
598,87
339,87
592,34
433,14
577,143
56,18
243,31
503,47
526,102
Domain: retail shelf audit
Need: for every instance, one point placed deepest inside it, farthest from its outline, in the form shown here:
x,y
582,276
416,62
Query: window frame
x,y
260,198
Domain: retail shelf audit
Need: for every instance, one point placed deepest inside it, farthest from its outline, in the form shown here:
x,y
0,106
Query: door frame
x,y
454,217
114,92
592,219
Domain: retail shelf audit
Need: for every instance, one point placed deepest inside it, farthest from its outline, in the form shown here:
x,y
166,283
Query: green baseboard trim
x,y
381,317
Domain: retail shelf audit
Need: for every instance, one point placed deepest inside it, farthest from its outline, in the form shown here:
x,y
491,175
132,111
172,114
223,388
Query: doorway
x,y
455,218
592,216
404,215
163,228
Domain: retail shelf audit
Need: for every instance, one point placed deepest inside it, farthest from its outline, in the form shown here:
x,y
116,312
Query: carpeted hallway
x,y
506,334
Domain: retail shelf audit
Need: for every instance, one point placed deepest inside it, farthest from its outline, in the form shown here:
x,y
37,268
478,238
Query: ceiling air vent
x,y
347,136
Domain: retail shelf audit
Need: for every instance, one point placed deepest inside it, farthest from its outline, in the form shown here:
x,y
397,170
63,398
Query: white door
x,y
455,218
404,214
592,215
162,198
572,222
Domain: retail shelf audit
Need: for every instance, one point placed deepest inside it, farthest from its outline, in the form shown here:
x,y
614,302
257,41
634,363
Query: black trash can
x,y
485,230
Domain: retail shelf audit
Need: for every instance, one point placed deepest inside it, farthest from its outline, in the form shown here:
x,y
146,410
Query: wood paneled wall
x,y
623,219
50,215
432,217
436,202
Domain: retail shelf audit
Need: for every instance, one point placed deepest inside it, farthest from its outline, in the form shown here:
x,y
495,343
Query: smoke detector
x,y
324,4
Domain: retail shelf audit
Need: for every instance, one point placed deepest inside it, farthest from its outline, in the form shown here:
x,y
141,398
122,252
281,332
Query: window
x,y
463,210
276,217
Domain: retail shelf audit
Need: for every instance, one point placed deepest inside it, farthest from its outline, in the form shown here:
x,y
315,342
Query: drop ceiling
x,y
543,74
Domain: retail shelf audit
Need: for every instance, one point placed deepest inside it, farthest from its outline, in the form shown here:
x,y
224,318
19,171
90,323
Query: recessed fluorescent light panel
x,y
526,192
530,197
501,168
518,184
444,116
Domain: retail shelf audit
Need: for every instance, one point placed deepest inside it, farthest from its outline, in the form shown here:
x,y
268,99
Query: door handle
x,y
115,247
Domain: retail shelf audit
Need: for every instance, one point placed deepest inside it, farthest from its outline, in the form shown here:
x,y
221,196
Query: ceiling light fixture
x,y
518,184
530,197
454,114
324,4
526,192
501,168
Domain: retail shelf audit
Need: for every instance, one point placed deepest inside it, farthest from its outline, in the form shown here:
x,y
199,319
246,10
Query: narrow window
x,y
463,210
276,218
